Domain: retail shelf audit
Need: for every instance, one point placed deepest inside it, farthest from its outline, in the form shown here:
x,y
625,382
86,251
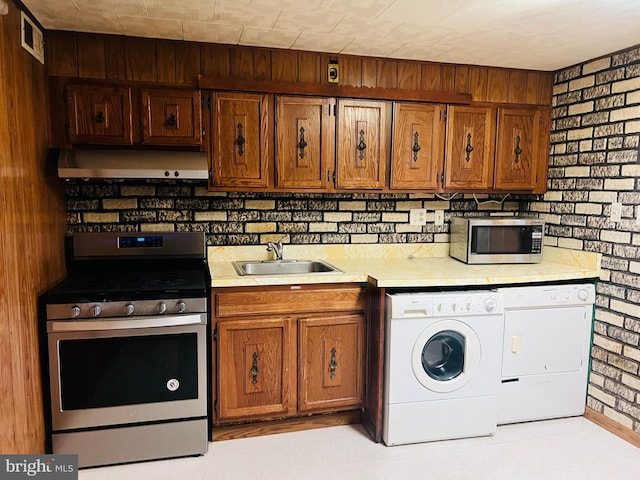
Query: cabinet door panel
x,y
99,115
171,117
418,146
304,148
331,362
517,149
254,368
363,145
240,143
470,148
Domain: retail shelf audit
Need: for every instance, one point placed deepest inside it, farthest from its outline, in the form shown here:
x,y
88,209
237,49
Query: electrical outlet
x,y
439,217
615,215
417,216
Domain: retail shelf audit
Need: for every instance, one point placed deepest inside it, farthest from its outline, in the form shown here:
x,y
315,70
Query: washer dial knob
x,y
129,309
75,311
96,310
182,307
490,304
583,294
162,307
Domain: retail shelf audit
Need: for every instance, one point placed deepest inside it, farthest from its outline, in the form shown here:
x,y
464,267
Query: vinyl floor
x,y
563,449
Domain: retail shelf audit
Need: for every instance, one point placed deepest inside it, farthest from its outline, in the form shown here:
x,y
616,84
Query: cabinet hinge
x,y
204,134
215,406
442,178
215,332
443,115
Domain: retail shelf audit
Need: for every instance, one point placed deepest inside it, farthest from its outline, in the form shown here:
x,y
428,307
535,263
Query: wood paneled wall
x,y
83,55
32,228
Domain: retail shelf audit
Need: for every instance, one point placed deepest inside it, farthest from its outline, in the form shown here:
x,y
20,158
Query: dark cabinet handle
x,y
469,148
240,141
416,147
302,144
171,120
333,364
99,117
254,369
518,150
361,146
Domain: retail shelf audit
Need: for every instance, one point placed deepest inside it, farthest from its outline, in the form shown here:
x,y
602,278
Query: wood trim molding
x,y
330,90
612,426
246,430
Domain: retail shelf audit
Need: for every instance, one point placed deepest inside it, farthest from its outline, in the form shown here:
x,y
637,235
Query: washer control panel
x,y
549,295
444,304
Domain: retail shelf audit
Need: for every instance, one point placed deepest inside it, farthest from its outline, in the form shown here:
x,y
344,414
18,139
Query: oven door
x,y
122,371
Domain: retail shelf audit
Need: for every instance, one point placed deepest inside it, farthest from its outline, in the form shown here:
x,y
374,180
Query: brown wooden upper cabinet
x,y
497,149
325,144
521,150
242,150
171,117
305,129
106,115
362,143
469,152
99,115
417,153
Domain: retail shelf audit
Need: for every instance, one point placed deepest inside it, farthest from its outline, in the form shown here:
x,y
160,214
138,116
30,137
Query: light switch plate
x,y
417,216
439,217
615,215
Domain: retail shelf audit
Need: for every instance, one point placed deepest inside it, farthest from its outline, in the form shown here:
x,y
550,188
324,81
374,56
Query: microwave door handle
x,y
128,323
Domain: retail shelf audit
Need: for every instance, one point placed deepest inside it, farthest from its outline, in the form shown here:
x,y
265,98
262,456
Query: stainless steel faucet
x,y
277,248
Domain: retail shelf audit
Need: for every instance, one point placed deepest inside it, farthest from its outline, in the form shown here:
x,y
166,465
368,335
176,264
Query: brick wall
x,y
594,162
256,218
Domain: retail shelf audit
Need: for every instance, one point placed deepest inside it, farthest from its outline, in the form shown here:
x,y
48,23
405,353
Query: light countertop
x,y
400,265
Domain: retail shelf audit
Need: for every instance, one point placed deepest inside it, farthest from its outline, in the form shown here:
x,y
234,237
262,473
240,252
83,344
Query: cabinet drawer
x,y
298,299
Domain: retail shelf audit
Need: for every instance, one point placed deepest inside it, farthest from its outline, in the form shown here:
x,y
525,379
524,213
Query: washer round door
x,y
446,356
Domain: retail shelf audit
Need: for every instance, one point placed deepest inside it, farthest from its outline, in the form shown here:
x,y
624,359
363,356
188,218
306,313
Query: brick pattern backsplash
x,y
594,162
256,218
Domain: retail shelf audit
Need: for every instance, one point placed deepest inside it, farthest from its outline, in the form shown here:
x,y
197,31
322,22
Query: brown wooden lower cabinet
x,y
305,357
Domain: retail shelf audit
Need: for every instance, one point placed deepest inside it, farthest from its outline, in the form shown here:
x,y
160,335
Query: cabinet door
x,y
469,151
241,144
171,117
331,362
362,144
304,147
256,368
99,115
517,155
418,146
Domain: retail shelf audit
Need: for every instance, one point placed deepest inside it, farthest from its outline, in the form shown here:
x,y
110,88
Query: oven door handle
x,y
124,324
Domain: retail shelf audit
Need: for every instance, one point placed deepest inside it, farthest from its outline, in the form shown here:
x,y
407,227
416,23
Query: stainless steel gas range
x,y
127,348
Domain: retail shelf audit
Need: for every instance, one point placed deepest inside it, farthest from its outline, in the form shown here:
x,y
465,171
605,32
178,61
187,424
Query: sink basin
x,y
284,267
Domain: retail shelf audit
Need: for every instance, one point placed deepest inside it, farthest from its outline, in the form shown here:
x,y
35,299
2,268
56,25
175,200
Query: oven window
x,y
498,240
107,372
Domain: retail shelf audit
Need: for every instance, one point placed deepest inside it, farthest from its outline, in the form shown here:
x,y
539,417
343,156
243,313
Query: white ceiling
x,y
530,34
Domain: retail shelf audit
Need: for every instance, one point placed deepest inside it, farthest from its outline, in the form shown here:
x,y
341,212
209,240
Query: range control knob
x,y
75,311
162,307
96,310
182,307
490,304
129,309
583,294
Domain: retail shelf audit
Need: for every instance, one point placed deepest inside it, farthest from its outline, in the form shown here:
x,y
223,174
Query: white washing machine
x,y
442,365
545,359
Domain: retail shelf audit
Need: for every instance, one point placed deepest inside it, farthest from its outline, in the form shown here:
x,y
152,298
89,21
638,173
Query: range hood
x,y
125,164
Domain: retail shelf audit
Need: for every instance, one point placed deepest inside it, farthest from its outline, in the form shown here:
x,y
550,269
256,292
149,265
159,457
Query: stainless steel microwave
x,y
496,239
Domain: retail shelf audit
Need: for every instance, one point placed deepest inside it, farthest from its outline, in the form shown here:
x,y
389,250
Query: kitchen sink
x,y
284,267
